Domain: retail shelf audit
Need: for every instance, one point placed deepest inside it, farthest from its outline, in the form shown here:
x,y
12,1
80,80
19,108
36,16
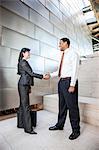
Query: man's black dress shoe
x,y
32,132
74,135
55,128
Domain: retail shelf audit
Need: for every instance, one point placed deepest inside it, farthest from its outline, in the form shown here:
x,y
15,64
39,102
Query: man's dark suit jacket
x,y
27,74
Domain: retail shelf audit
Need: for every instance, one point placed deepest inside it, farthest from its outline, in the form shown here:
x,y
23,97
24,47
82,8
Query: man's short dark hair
x,y
66,40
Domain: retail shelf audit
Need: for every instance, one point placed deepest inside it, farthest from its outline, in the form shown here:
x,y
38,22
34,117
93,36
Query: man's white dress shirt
x,y
70,66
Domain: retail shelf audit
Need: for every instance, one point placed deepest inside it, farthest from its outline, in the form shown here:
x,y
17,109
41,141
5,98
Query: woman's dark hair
x,y
23,50
66,40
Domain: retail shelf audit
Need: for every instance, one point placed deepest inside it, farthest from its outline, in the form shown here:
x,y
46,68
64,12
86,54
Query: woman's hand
x,y
46,76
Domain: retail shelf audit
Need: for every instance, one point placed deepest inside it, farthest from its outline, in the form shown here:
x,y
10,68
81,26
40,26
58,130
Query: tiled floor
x,y
12,138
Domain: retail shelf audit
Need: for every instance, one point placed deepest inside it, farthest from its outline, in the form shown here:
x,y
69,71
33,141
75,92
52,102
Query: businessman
x,y
67,88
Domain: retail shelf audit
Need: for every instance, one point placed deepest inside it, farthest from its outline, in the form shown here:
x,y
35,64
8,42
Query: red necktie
x,y
60,67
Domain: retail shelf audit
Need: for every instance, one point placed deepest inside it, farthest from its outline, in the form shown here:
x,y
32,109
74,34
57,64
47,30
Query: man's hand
x,y
46,76
71,89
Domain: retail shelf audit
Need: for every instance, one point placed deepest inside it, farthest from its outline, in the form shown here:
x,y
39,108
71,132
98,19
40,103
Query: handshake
x,y
46,76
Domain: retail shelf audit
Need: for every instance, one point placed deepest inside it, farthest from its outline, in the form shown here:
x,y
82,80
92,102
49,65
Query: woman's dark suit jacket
x,y
27,75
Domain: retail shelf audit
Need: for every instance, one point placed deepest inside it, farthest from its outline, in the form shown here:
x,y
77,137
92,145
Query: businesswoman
x,y
24,85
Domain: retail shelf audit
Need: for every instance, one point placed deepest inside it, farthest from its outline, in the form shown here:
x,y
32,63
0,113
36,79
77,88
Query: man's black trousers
x,y
68,101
